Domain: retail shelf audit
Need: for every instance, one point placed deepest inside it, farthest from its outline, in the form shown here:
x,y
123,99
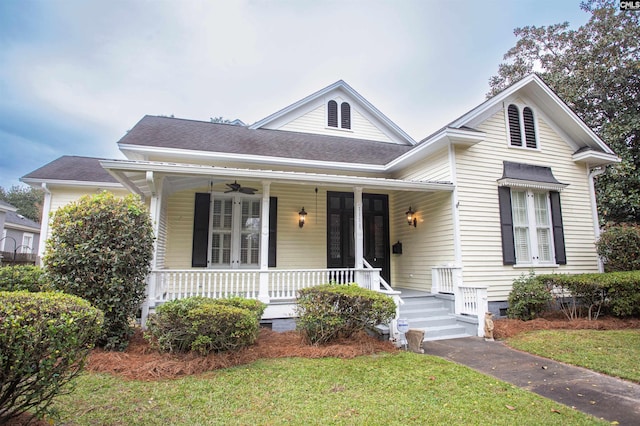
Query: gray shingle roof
x,y
177,133
18,219
73,168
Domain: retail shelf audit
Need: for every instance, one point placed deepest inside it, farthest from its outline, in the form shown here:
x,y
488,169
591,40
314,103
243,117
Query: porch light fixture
x,y
302,217
411,217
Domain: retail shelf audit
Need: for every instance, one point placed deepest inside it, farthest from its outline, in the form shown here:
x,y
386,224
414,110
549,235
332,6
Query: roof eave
x,y
253,159
119,168
37,182
595,159
446,136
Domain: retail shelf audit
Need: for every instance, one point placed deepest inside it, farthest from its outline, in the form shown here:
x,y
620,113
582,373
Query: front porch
x,y
464,305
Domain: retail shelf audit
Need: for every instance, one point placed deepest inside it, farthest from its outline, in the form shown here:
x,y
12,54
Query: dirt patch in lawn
x,y
140,362
505,328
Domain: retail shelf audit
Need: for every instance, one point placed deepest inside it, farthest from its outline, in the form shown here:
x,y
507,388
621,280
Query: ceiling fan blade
x,y
249,191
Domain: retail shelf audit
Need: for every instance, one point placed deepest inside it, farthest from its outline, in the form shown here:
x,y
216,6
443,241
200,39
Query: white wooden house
x,y
329,188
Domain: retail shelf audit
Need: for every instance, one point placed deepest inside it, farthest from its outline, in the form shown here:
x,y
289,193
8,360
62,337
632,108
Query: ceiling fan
x,y
236,187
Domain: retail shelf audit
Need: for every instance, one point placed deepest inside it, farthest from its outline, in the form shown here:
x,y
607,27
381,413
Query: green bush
x,y
100,249
619,248
23,277
616,292
205,325
332,311
44,340
528,298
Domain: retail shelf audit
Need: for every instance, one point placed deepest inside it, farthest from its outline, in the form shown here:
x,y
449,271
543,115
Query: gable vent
x,y
332,114
529,129
514,126
345,115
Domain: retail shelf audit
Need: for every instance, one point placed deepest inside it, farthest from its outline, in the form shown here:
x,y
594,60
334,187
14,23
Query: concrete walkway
x,y
593,393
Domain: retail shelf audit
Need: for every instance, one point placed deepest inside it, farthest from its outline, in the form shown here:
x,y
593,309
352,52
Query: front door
x,y
340,231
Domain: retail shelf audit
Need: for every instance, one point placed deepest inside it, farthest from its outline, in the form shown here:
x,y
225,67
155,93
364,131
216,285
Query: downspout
x,y
592,173
44,226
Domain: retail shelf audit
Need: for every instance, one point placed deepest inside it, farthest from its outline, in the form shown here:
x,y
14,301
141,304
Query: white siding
x,y
436,168
427,245
315,122
297,248
478,169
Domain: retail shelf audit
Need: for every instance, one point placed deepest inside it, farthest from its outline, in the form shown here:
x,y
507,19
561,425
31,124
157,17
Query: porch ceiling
x,y
143,177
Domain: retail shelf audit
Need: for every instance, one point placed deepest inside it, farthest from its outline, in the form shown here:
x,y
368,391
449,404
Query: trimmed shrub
x,y
616,292
44,341
100,249
205,325
619,248
333,311
23,277
529,298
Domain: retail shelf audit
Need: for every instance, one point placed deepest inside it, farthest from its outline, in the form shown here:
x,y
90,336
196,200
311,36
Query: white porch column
x,y
357,227
263,291
155,211
358,235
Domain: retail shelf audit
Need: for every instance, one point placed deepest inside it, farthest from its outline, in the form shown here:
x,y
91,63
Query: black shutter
x,y
558,229
506,226
273,230
345,115
200,230
529,128
515,134
332,114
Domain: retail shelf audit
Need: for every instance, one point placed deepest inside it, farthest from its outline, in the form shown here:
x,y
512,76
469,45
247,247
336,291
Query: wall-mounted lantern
x,y
302,215
411,217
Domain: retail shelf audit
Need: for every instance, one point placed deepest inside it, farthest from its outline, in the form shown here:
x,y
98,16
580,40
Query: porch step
x,y
429,313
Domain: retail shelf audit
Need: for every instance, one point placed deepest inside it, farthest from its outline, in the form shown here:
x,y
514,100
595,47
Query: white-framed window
x,y
234,232
27,243
338,117
532,227
522,127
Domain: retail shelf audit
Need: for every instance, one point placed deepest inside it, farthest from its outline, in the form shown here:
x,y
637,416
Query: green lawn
x,y
612,352
387,389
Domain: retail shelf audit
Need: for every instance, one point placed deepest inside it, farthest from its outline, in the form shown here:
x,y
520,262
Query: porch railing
x,y
469,300
267,286
276,284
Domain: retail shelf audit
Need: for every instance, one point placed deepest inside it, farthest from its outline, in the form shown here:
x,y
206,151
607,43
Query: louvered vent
x,y
332,114
514,125
529,129
345,112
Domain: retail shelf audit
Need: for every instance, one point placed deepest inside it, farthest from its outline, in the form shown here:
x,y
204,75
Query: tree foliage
x,y
595,69
27,200
100,249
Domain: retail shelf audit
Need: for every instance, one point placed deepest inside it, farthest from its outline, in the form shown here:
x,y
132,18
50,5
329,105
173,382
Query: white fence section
x,y
469,300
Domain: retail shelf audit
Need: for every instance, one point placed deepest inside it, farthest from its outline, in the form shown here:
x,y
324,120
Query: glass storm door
x,y
235,232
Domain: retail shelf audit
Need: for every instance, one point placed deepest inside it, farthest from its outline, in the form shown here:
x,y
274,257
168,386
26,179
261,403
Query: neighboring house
x,y
19,236
329,188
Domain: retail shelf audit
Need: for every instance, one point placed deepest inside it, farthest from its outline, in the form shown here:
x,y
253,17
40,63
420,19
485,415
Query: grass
x,y
398,389
612,352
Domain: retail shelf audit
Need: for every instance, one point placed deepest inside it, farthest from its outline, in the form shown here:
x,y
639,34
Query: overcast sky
x,y
75,75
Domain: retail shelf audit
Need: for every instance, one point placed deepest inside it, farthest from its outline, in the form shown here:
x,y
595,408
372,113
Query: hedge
x,y
205,325
615,292
23,277
44,341
333,311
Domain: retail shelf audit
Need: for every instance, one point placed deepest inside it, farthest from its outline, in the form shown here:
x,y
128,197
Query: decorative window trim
x,y
523,126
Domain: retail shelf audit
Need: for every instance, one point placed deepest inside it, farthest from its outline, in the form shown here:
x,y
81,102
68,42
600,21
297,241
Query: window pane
x,y
542,209
519,206
521,239
544,245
